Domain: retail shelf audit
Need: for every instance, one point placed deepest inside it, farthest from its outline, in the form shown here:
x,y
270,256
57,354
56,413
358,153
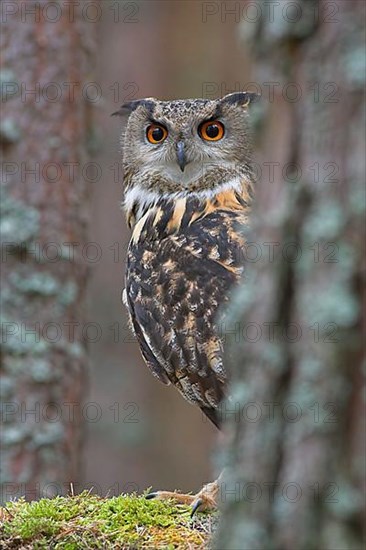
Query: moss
x,y
89,521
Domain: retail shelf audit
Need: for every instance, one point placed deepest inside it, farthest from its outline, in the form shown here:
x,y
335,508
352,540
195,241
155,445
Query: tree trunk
x,y
45,128
295,464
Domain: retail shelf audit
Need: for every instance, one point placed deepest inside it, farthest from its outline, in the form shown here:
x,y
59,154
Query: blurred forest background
x,y
99,418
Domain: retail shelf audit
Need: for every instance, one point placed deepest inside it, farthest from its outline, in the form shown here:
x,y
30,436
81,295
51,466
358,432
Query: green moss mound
x,y
89,521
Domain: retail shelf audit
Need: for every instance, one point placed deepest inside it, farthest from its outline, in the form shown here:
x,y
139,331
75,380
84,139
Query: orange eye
x,y
156,133
212,130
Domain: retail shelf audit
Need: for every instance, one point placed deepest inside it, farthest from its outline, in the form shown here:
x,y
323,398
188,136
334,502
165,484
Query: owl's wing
x,y
174,288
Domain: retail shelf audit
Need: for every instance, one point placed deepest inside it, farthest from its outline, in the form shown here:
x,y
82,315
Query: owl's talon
x,y
195,506
151,495
203,501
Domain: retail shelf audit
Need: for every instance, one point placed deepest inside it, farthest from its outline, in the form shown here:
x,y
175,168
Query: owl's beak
x,y
181,155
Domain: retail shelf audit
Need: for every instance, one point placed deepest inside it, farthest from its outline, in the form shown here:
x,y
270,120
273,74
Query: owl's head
x,y
185,146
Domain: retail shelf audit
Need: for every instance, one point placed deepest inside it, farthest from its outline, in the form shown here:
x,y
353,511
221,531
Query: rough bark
x,y
45,133
295,465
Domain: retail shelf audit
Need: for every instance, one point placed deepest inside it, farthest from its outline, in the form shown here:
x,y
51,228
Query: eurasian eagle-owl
x,y
187,179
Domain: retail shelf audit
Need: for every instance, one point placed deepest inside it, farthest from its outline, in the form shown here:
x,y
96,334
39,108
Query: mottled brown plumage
x,y
183,259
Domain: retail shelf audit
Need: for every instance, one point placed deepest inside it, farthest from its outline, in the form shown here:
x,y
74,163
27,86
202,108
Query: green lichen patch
x,y
89,521
9,131
19,222
43,284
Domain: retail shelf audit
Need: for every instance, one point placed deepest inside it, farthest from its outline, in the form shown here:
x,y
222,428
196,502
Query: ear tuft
x,y
240,98
131,106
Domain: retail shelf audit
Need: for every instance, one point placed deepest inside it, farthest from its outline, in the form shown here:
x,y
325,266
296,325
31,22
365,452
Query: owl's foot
x,y
203,501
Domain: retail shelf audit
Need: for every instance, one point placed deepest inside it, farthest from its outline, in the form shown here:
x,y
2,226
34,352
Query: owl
x,y
188,188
